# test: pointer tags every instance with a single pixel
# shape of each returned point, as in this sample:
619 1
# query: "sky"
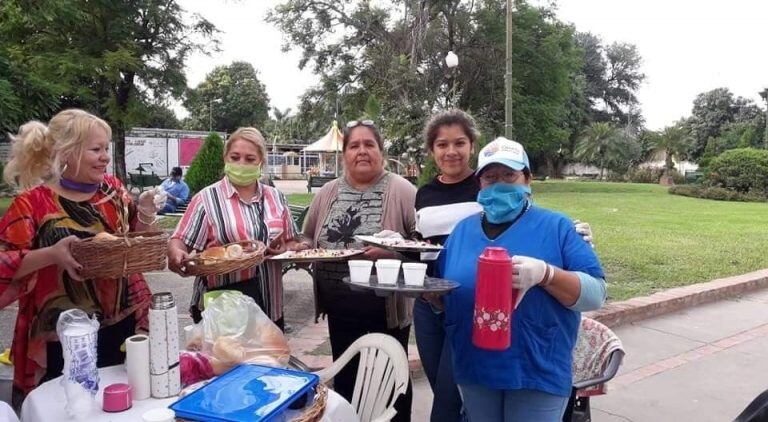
688 47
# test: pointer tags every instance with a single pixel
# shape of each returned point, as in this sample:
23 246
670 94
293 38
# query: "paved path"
702 364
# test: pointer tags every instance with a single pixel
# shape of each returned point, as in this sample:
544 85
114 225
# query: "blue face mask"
503 202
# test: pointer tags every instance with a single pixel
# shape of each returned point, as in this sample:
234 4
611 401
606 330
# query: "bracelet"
550 276
142 210
138 217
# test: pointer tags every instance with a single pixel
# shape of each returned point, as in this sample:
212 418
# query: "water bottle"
494 300
78 335
164 371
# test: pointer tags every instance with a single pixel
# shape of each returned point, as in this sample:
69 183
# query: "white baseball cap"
503 151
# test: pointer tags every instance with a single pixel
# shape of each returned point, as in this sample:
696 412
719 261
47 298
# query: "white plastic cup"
360 270
162 414
414 273
387 271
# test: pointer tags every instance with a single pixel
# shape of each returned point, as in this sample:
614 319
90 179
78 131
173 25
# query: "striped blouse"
217 215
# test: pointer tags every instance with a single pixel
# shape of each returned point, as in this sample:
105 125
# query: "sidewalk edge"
667 301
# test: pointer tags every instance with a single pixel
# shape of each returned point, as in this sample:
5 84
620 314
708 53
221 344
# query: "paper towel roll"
164 371
137 365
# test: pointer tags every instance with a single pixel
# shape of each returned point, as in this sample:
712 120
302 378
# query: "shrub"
208 165
743 170
716 193
652 175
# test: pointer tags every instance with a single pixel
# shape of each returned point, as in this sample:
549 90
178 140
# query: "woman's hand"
585 231
296 245
277 245
61 252
372 252
526 273
435 300
177 254
151 201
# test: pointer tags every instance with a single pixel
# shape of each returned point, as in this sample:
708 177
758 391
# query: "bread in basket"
219 260
112 256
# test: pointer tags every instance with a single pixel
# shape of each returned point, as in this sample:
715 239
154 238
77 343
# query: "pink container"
117 398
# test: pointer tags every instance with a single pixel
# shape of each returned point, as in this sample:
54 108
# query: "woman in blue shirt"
558 276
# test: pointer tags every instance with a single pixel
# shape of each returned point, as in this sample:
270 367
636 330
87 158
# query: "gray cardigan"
398 215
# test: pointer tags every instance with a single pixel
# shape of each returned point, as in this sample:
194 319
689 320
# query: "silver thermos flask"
164 371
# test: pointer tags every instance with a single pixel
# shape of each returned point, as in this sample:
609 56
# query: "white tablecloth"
46 403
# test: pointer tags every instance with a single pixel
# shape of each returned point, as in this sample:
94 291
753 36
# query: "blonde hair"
252 135
39 152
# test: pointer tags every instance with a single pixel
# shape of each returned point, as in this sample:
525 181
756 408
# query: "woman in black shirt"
450 137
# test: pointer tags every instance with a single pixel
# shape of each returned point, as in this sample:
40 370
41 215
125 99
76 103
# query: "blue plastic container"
246 393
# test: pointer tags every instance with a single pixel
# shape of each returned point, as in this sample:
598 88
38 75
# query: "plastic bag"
78 335
236 330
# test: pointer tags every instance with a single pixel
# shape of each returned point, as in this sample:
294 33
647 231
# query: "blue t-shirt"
543 330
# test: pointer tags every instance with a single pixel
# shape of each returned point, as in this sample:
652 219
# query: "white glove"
585 231
388 234
152 200
526 273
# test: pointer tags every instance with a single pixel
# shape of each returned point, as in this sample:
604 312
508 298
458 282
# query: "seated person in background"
177 190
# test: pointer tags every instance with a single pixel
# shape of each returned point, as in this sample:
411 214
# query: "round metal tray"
435 285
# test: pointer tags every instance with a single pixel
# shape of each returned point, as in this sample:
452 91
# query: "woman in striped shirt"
237 208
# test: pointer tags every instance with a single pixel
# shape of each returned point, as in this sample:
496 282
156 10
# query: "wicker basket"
254 255
132 253
314 413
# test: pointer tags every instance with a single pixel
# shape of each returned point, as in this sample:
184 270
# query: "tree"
158 116
208 165
24 95
599 144
764 96
674 141
612 77
230 97
717 112
395 52
109 57
281 125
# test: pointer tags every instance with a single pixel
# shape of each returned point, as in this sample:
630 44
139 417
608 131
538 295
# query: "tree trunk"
122 98
668 164
119 164
601 168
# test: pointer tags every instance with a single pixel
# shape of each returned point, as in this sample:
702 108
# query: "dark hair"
176 171
372 127
449 117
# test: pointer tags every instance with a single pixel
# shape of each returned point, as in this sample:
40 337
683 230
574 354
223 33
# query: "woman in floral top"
68 197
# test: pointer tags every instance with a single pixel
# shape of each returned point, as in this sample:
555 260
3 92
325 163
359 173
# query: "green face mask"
242 175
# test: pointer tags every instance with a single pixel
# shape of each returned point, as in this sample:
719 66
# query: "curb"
678 298
612 315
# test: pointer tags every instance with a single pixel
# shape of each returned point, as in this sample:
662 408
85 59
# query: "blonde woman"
238 207
67 197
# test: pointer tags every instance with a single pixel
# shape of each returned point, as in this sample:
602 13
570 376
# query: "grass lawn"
302 199
649 240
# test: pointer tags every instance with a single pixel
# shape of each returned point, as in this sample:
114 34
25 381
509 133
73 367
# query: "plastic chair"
597 357
382 375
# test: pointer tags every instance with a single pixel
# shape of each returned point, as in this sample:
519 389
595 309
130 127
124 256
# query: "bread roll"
104 236
228 350
273 338
234 251
214 252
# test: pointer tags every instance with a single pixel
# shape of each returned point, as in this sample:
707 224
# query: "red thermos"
494 300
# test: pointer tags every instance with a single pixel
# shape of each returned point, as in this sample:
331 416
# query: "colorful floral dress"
38 218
